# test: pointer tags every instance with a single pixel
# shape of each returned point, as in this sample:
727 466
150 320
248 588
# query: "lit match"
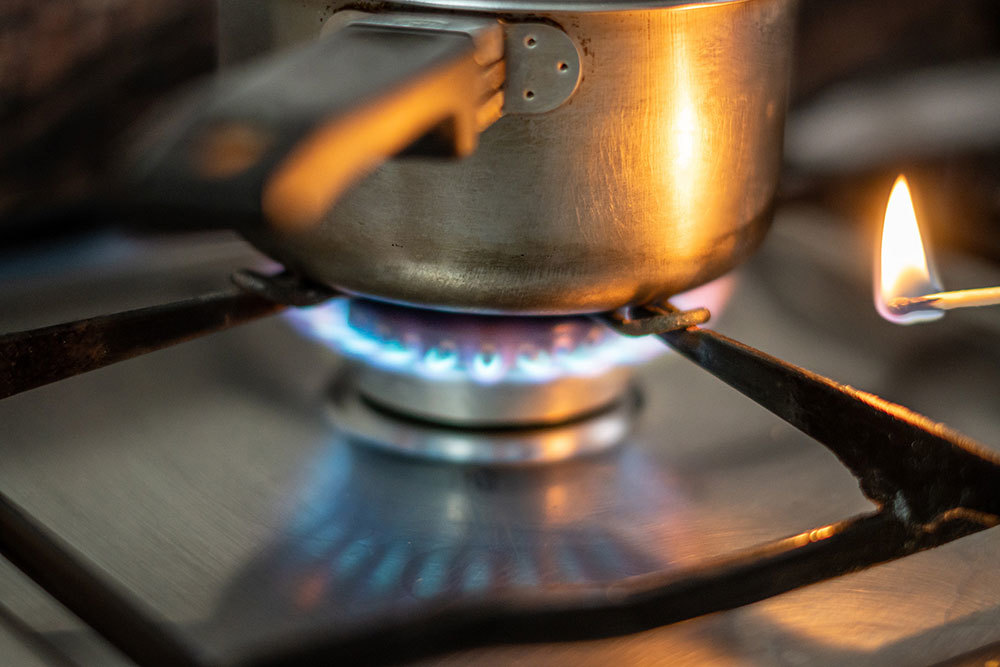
902 269
906 286
969 298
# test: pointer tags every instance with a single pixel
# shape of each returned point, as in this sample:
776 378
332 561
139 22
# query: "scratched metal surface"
207 481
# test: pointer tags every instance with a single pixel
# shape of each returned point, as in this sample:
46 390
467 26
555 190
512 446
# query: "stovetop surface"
208 482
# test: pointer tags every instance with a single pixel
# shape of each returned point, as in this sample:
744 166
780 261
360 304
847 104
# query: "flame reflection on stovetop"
373 530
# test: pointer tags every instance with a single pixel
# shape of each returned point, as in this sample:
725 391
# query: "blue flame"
482 348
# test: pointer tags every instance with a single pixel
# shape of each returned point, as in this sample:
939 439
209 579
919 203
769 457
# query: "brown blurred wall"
74 73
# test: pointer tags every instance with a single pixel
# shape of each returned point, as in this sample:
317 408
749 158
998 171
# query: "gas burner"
479 388
479 371
482 388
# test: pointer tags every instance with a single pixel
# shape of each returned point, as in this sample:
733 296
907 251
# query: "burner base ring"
361 420
468 405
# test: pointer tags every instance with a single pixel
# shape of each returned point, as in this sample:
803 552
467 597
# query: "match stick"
969 298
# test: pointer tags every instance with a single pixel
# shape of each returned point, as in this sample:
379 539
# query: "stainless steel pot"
650 168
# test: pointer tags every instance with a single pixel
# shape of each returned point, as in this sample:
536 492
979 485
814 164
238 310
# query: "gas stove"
469 412
220 489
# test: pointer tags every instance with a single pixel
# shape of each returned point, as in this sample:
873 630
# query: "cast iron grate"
930 484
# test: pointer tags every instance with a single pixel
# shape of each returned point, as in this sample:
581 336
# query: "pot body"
657 175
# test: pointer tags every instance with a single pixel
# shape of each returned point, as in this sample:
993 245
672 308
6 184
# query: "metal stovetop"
207 481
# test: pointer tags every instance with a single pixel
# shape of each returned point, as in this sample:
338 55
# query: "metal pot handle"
277 140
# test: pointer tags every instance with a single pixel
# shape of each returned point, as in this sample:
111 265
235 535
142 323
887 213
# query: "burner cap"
360 419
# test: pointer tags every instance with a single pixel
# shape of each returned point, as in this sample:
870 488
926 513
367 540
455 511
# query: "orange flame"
901 266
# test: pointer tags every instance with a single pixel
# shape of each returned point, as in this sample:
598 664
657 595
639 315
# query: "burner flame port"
482 349
478 370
